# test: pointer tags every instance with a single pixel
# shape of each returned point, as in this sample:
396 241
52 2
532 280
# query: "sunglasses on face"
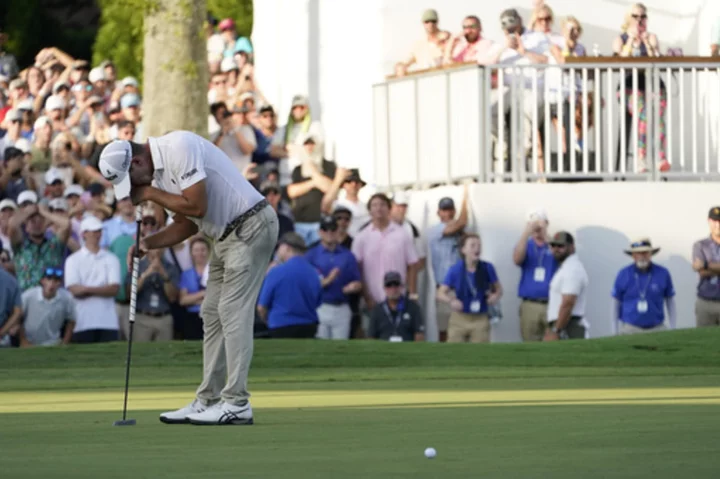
53 273
329 228
470 27
15 121
430 21
639 16
342 218
544 19
557 246
149 222
393 284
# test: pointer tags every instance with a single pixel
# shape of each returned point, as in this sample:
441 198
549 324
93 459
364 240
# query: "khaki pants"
533 320
707 313
626 329
237 269
472 327
123 311
152 328
442 311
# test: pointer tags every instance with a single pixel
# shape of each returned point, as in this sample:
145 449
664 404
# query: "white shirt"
360 215
182 159
229 145
570 279
534 42
420 244
87 269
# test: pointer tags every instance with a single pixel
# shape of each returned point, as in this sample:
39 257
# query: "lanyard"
394 319
470 278
540 252
647 283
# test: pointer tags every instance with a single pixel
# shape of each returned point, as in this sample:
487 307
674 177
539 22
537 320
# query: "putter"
131 318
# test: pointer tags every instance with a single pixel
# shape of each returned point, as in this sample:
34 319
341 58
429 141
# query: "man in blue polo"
641 292
291 293
537 264
340 276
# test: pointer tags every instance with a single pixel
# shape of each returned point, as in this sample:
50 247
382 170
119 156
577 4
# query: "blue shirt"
633 286
115 227
539 264
10 296
291 293
443 251
465 284
325 261
190 282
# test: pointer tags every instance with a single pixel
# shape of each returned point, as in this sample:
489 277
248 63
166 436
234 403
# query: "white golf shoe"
223 413
181 415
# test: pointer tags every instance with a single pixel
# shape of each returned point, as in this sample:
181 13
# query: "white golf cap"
538 214
96 74
73 190
114 165
52 175
400 198
41 122
228 64
54 102
25 105
23 144
91 223
58 204
129 81
27 196
8 203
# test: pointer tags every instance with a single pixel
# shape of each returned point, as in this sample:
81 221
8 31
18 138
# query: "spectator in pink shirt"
468 45
384 246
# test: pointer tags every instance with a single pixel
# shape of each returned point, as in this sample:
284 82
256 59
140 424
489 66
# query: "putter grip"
136 266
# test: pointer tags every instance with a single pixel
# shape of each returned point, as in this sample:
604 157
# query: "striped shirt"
443 251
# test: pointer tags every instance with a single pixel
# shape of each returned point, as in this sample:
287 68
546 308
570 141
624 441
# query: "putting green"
93 400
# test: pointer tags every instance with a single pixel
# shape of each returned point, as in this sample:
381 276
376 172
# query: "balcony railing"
593 119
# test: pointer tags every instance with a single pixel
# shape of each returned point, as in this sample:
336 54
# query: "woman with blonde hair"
635 40
541 21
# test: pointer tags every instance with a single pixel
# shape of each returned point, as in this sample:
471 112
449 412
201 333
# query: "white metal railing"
550 122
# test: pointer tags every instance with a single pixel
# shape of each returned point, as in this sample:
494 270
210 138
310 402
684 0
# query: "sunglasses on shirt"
53 273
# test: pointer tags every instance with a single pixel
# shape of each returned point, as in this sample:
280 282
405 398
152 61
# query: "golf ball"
430 452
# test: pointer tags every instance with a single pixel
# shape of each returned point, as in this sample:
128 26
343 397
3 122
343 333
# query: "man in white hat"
198 184
641 291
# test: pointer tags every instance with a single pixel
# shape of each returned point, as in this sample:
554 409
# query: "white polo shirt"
87 269
360 215
182 158
572 279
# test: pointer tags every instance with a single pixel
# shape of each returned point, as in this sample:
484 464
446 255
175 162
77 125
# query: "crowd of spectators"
344 268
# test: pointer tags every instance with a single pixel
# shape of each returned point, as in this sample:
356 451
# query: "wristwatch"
413 296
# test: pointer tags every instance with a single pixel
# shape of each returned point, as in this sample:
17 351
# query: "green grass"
507 438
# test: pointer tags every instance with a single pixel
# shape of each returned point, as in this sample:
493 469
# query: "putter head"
125 422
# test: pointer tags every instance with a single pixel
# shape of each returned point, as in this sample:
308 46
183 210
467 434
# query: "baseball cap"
8 203
96 189
13 115
328 223
129 100
41 122
17 83
58 204
227 24
90 223
96 74
12 152
293 240
269 186
562 238
54 102
59 85
714 213
23 144
129 81
114 165
75 189
27 196
299 100
243 45
25 105
265 109
400 198
430 15
228 64
52 175
392 277
446 204
342 209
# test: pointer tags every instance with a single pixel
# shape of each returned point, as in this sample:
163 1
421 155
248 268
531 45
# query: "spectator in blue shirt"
10 307
192 288
537 267
641 291
470 287
291 292
442 242
340 277
123 223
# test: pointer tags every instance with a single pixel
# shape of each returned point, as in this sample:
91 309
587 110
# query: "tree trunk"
175 68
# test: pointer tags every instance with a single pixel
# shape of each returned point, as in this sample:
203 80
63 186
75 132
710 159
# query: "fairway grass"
642 407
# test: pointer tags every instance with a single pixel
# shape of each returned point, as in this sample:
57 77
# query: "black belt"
541 301
154 314
335 303
237 222
572 318
713 300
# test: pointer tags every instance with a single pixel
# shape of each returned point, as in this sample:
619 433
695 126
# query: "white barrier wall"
603 217
335 50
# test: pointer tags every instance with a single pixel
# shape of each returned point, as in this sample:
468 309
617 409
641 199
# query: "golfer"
203 191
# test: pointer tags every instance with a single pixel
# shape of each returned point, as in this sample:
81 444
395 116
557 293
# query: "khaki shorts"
442 311
707 313
473 328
